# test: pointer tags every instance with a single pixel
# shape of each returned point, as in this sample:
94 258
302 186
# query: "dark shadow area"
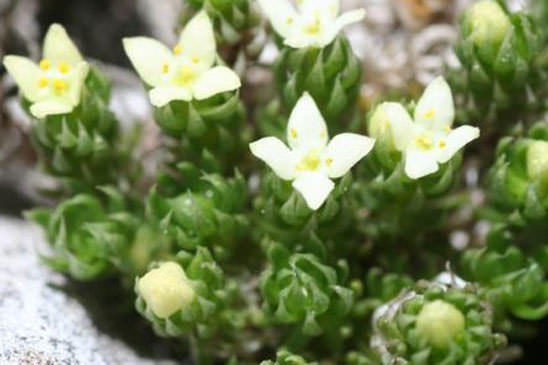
97 26
111 309
12 202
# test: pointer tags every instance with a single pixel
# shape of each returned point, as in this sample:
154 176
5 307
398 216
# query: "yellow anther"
45 64
59 85
314 27
310 162
165 68
430 114
329 161
195 59
293 133
187 74
447 129
177 49
43 82
63 67
442 144
423 142
289 20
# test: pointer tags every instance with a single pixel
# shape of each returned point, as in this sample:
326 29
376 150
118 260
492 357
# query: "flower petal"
400 124
420 163
344 151
58 47
436 108
276 155
306 128
42 109
77 82
148 57
25 74
457 139
281 14
329 9
342 21
162 95
197 41
214 81
314 187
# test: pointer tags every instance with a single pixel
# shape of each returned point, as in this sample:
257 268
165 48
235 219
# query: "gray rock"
43 320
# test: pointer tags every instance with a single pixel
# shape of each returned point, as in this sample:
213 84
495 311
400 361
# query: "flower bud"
439 322
537 159
487 23
166 289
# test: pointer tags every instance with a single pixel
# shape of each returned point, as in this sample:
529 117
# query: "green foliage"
284 357
501 56
331 75
401 336
299 288
90 236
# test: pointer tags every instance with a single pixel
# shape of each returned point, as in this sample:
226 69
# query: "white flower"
315 24
186 72
55 84
310 161
428 141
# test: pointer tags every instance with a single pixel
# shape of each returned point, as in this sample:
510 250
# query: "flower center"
310 162
424 142
315 26
187 74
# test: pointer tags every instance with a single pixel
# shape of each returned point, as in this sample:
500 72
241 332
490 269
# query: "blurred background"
45 319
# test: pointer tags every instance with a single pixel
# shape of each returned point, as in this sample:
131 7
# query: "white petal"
329 9
306 128
345 150
43 109
457 139
420 163
25 74
148 57
342 21
276 155
400 124
162 95
214 81
58 47
314 187
435 108
76 83
281 14
301 40
197 41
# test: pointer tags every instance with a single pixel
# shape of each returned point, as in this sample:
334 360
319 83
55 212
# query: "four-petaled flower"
310 161
428 141
186 72
315 24
54 85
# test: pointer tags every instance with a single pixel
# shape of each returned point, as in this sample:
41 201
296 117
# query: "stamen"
195 59
329 161
45 64
293 133
430 114
423 142
310 162
289 20
442 144
165 68
59 85
177 49
43 82
63 67
187 74
314 27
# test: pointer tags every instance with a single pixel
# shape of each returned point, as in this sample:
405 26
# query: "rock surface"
43 319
